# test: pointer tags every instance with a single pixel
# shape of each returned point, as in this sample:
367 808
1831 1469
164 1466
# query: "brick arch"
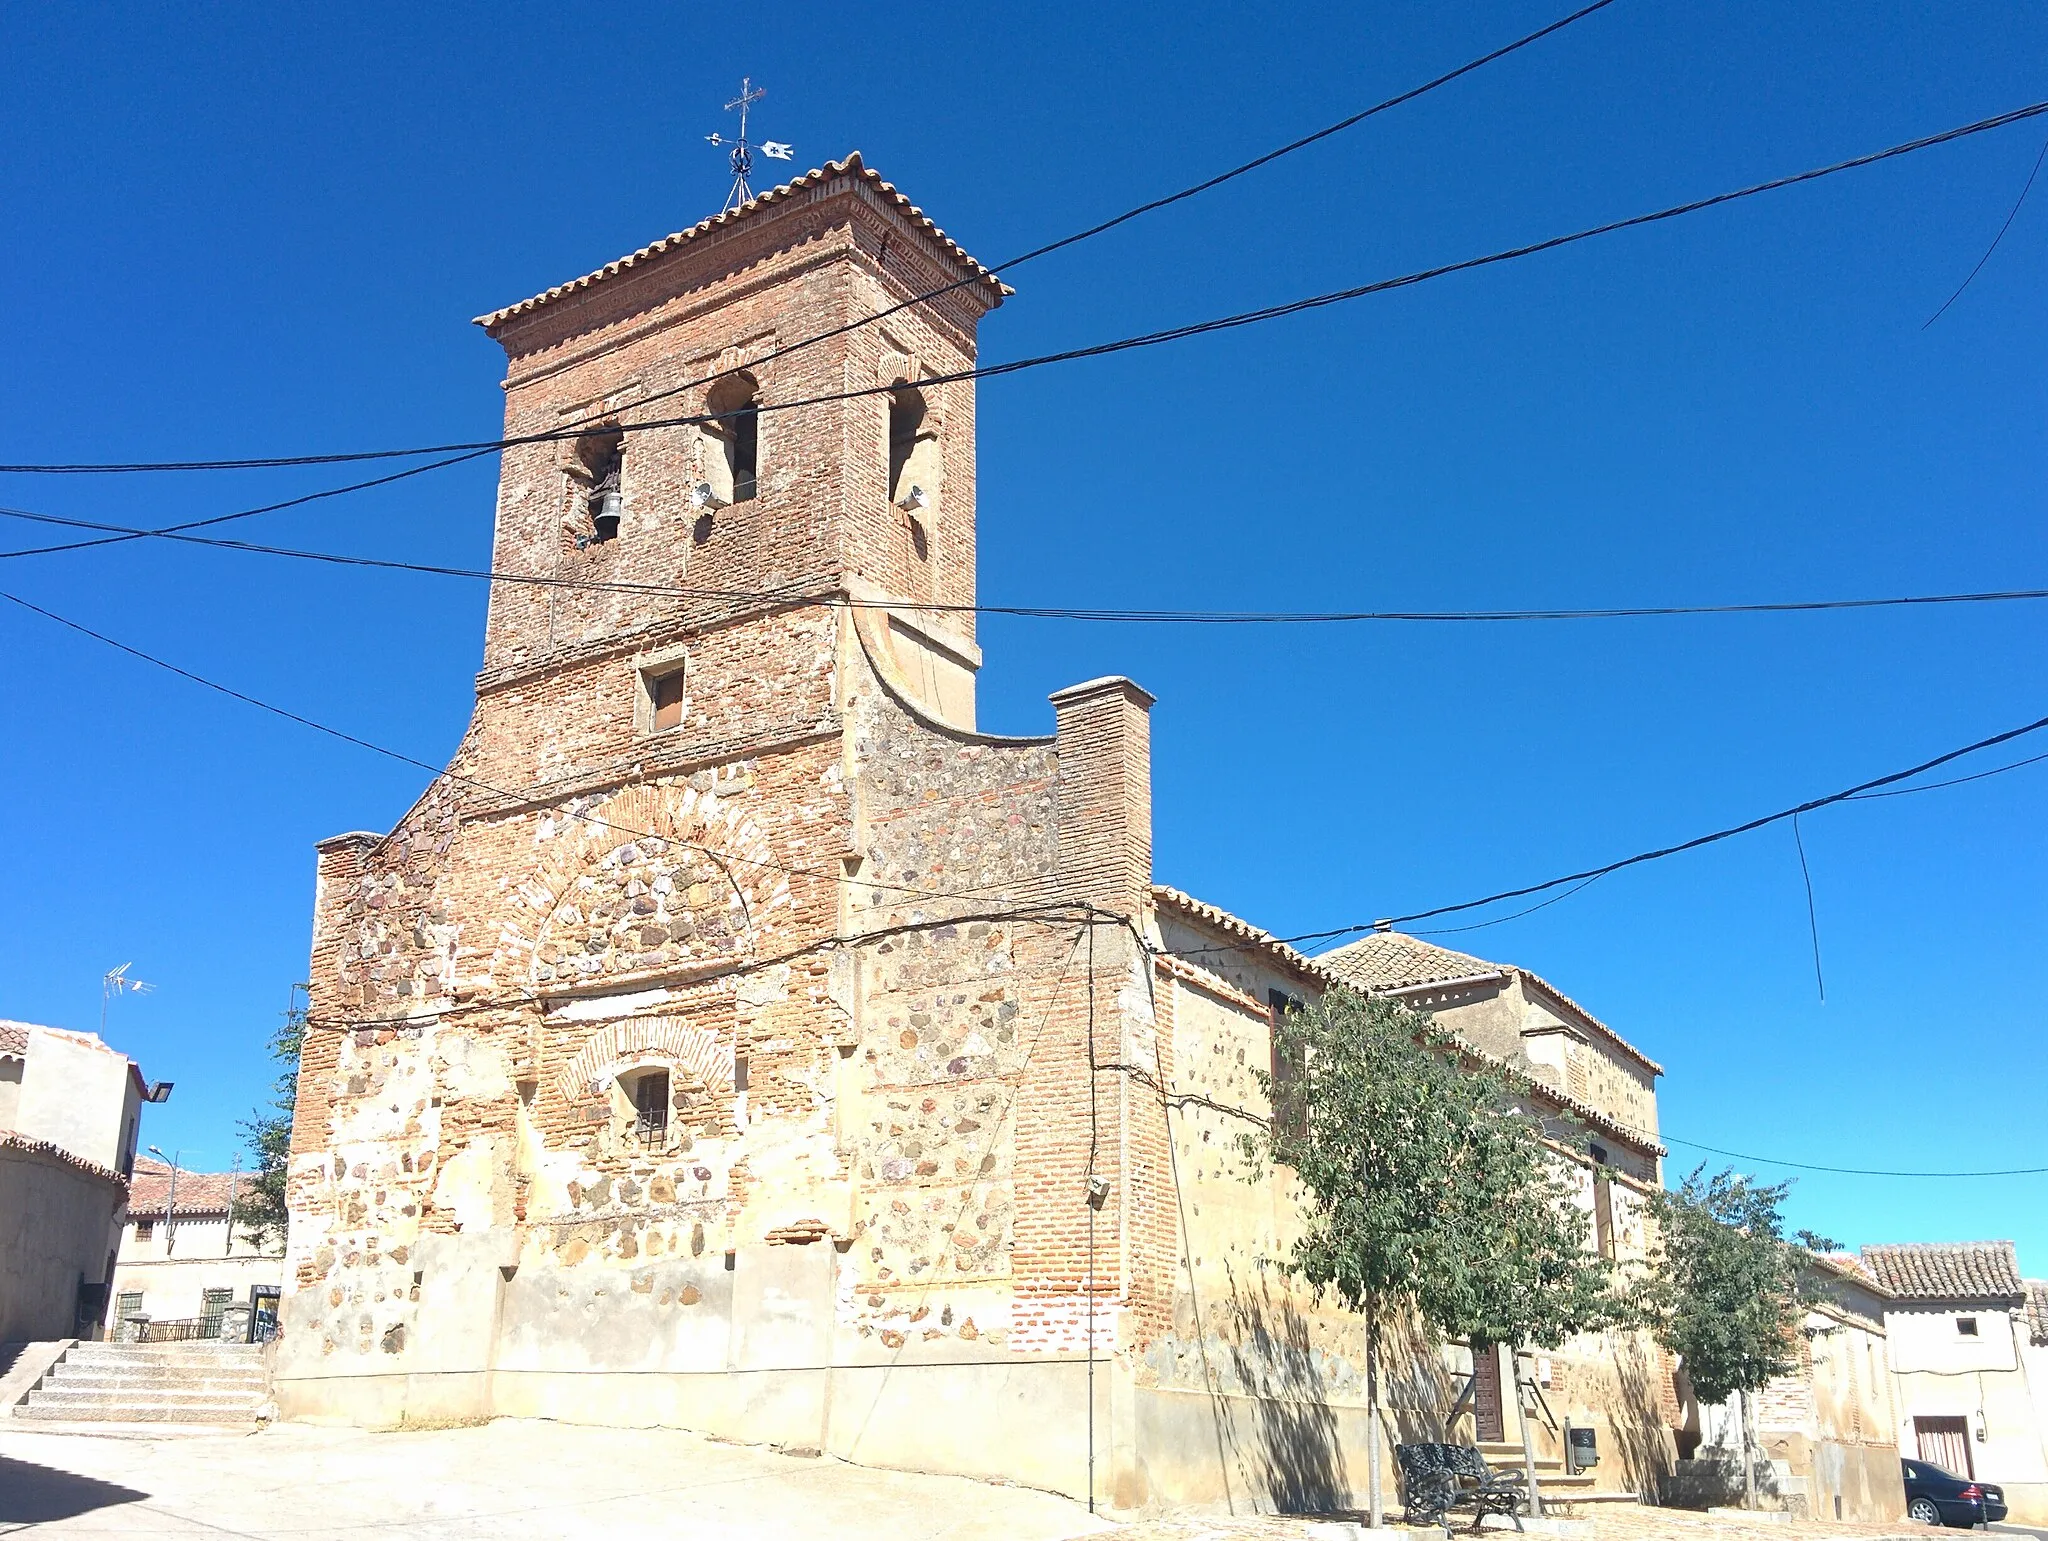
637 1040
663 823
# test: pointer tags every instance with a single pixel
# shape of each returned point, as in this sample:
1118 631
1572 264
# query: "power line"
1121 345
1733 830
1848 1171
1851 794
1151 206
2026 188
718 857
1042 612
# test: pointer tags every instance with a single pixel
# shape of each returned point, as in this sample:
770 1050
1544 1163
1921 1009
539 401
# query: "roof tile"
199 1193
1966 1270
851 166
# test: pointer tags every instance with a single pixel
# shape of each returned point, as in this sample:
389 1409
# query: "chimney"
1104 800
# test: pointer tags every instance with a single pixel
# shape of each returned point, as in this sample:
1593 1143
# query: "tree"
264 1212
1426 1190
1727 1292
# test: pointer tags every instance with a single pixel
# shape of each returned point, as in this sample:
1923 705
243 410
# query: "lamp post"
171 1198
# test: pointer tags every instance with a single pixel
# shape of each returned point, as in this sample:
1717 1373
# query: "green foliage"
269 1133
1726 1290
1426 1185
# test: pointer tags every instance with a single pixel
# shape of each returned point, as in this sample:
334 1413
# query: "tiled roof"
1394 960
1229 924
1273 948
59 1153
14 1038
2037 1312
993 287
1966 1270
199 1193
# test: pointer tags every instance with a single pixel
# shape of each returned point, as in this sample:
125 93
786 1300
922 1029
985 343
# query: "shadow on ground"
36 1495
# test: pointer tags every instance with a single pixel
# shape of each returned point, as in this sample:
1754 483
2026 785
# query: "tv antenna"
742 149
115 982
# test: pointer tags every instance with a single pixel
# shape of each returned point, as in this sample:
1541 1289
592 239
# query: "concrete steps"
152 1383
1555 1483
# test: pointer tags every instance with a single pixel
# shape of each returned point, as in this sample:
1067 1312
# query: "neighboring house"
197 1260
1829 1429
1962 1325
738 1038
70 1108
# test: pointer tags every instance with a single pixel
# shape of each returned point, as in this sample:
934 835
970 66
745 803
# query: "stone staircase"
1557 1485
218 1383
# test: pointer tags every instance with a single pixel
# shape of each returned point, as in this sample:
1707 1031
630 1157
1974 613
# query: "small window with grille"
650 1106
145 1230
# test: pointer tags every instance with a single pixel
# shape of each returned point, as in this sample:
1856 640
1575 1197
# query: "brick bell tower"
837 466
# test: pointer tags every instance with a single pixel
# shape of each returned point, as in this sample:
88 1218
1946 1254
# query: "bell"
606 519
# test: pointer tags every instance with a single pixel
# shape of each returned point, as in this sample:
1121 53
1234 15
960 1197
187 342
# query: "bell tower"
762 409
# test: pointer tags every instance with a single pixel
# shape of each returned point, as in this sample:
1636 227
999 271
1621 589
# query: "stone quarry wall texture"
902 978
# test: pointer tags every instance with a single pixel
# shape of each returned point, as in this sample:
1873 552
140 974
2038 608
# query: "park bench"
1435 1479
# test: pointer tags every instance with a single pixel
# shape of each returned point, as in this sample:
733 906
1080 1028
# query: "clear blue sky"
235 229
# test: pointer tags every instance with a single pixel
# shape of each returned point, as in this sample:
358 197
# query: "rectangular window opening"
145 1229
1290 1111
1966 1326
665 696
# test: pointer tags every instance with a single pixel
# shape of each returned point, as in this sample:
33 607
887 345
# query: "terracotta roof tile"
1966 1270
1317 969
13 1038
2037 1312
59 1153
199 1193
1394 960
994 287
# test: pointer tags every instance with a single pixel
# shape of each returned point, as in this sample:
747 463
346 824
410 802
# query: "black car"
1933 1497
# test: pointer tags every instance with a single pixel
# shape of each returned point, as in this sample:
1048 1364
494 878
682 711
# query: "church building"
735 1037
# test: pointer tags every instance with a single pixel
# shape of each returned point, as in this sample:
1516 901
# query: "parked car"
1935 1497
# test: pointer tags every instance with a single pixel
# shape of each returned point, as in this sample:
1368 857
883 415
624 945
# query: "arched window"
732 468
913 451
597 472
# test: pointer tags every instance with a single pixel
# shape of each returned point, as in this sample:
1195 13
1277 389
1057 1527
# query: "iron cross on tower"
743 149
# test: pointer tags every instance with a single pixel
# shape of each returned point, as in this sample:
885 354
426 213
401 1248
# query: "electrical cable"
1126 344
438 772
2015 214
799 600
1401 99
1855 793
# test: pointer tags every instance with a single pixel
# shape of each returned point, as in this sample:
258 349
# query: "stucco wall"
56 1228
1939 1372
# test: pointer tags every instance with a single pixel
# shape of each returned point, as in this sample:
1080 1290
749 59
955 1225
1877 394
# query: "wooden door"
1945 1442
1486 1406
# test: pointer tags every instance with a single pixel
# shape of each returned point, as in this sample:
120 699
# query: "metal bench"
1435 1479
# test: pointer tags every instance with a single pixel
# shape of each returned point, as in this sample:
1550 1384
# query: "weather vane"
743 149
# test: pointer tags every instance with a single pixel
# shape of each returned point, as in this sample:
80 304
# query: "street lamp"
171 1198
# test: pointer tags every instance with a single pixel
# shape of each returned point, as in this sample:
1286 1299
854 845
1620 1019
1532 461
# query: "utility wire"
1847 1171
1121 345
718 857
796 599
1851 794
1098 350
251 463
2015 214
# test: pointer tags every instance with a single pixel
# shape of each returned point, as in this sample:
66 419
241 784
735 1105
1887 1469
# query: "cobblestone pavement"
507 1481
1607 1522
518 1479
